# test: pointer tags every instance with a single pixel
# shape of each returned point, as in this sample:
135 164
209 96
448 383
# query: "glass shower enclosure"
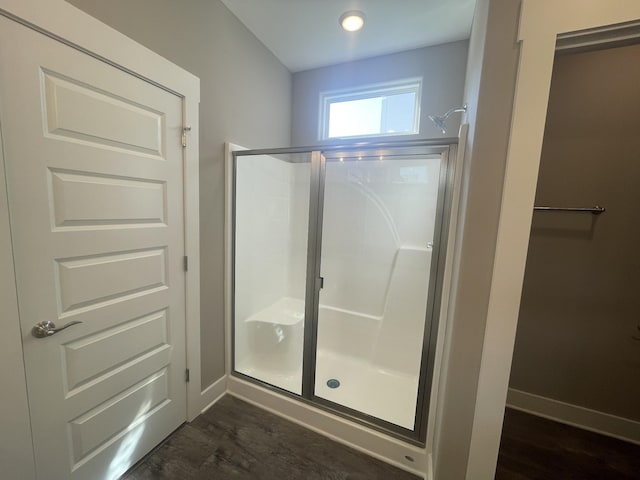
336 270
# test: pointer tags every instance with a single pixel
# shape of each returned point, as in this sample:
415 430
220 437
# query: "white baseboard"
429 474
574 415
213 393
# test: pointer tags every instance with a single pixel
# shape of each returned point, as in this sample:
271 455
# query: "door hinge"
186 263
186 375
184 135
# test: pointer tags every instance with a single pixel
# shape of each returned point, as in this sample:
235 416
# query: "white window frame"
406 85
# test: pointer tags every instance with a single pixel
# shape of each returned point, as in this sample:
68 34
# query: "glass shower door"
271 219
381 216
335 268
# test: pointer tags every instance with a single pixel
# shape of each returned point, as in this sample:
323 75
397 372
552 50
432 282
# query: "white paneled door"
94 165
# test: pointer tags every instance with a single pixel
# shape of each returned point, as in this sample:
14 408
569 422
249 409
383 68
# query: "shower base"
387 395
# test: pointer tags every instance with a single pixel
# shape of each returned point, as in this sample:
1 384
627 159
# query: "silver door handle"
46 329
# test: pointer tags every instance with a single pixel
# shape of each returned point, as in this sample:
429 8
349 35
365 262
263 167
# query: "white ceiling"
305 34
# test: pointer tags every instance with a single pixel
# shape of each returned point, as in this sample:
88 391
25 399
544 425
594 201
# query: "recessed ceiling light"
352 21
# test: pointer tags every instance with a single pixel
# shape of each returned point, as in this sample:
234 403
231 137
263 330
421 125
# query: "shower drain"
333 383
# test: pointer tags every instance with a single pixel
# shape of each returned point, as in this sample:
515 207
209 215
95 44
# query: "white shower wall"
371 210
298 228
263 193
270 242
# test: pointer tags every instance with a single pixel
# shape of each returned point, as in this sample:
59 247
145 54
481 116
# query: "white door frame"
70 25
541 22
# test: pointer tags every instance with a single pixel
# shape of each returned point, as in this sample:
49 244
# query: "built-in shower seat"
276 335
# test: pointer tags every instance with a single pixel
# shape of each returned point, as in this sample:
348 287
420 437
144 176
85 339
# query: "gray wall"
442 68
489 92
245 99
580 298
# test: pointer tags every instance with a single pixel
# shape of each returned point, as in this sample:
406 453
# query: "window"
373 110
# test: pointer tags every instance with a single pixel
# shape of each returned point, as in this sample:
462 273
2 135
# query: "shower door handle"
321 282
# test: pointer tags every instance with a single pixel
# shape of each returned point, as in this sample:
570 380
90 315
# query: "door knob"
46 329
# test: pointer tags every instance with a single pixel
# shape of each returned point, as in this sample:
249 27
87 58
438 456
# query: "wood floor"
235 440
534 448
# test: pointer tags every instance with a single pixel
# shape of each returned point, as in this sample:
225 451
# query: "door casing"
65 23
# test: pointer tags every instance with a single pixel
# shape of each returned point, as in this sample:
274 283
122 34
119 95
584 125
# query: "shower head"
441 120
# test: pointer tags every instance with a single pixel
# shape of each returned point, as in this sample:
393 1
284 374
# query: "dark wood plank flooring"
534 448
236 440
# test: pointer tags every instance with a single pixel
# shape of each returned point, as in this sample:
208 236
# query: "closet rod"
597 210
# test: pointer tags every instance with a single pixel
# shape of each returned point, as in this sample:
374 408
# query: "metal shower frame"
447 149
